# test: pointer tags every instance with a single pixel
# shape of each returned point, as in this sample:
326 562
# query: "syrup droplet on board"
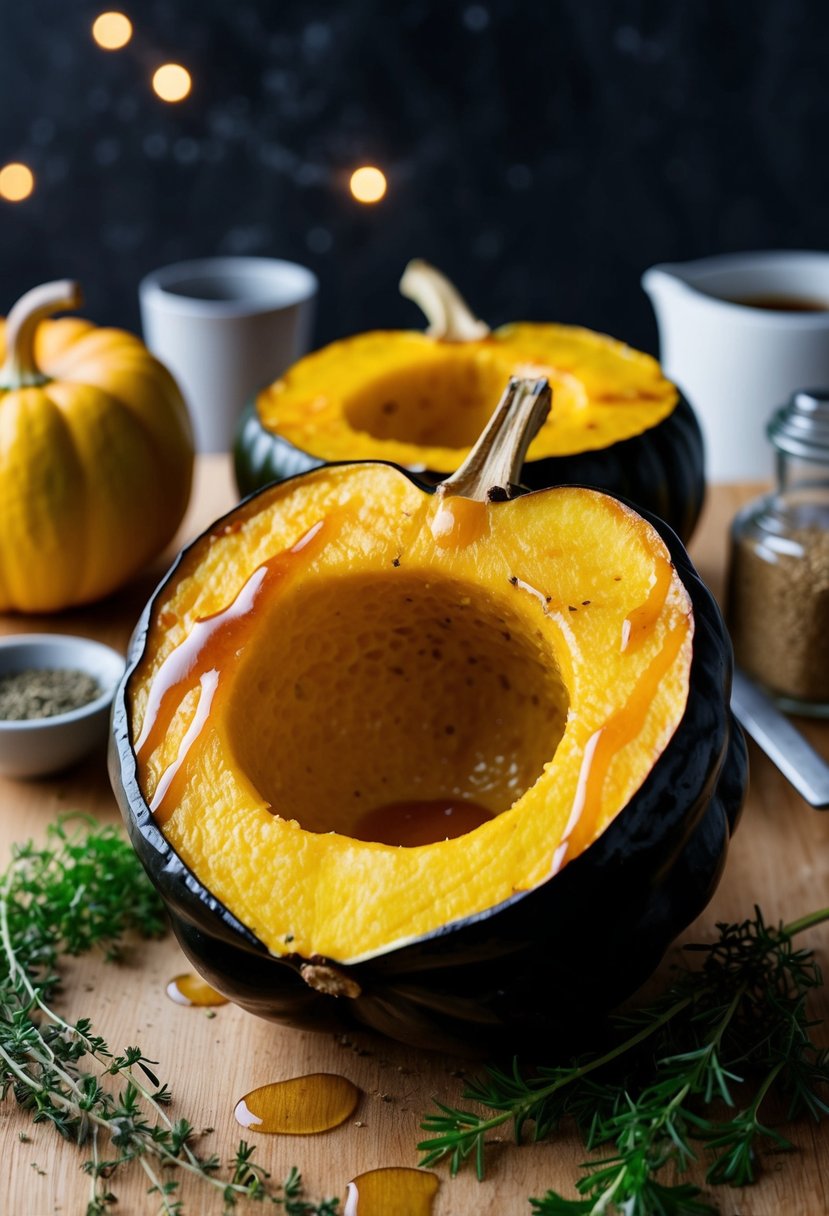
458 522
298 1106
190 989
410 824
214 642
398 1190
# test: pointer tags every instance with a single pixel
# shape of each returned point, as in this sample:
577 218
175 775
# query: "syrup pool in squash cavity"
348 646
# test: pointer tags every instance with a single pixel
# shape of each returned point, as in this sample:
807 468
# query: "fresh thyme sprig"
735 1026
83 890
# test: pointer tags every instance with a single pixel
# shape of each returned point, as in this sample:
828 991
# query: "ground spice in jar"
44 692
778 611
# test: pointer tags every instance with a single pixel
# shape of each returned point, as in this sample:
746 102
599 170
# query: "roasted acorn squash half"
446 763
421 400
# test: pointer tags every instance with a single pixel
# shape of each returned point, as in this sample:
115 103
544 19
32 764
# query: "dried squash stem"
493 467
450 317
20 369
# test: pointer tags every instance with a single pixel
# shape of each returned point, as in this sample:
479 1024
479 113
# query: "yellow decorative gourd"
96 455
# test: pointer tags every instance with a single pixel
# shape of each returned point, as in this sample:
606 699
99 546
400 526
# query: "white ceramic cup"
737 363
225 327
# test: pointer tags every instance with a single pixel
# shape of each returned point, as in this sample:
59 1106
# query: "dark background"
542 153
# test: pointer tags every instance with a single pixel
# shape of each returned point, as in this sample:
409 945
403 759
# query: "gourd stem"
20 369
450 317
493 467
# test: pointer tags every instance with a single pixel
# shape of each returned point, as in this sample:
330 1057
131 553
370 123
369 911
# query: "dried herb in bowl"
45 692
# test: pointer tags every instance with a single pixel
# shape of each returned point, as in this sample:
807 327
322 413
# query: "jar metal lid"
801 426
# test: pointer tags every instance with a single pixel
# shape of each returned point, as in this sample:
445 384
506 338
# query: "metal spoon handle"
797 760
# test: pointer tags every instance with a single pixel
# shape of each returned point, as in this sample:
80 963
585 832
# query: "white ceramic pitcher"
736 362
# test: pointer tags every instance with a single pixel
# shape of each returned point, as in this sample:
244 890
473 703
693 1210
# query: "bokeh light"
112 31
16 182
172 82
368 184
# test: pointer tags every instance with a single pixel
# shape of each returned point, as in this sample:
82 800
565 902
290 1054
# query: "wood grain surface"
779 859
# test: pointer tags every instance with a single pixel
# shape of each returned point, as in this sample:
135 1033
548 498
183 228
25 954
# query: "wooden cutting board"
779 859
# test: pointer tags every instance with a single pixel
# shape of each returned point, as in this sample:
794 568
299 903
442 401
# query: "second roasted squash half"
414 759
421 400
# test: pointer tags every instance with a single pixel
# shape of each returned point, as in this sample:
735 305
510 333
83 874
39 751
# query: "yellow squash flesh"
533 659
421 401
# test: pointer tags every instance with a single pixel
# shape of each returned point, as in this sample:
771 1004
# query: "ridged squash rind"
549 961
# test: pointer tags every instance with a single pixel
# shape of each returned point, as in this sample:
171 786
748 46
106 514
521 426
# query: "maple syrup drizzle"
410 824
197 662
396 1189
623 726
605 743
298 1106
167 788
638 623
190 989
458 522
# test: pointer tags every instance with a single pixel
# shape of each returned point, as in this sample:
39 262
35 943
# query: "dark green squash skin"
661 470
552 960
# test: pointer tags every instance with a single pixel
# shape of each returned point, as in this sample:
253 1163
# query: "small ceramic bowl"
34 747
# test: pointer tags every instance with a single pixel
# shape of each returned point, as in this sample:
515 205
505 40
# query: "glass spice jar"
778 587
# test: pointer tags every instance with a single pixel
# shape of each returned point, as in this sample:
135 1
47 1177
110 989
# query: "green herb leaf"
84 890
735 1024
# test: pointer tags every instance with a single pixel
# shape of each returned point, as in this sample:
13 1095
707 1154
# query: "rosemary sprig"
83 890
735 1026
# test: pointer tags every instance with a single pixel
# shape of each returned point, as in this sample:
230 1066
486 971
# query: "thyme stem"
737 1020
82 891
805 922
